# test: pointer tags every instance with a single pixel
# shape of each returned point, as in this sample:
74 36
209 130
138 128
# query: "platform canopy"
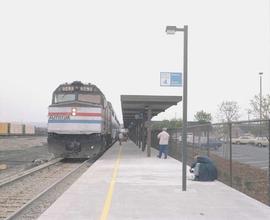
135 107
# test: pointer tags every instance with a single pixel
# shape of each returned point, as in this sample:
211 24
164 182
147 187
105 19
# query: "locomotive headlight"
73 111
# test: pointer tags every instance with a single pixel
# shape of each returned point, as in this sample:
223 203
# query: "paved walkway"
125 184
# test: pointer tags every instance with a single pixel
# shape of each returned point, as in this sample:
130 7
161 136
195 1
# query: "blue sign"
171 79
176 79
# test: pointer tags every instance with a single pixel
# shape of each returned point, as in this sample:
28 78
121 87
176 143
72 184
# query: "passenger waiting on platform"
163 143
204 169
120 138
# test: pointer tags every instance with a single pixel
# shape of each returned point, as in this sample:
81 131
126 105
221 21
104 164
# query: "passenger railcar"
81 123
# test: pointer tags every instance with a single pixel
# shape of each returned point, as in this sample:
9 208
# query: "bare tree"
228 111
255 106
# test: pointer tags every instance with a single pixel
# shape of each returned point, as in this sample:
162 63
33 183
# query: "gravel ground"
18 153
16 194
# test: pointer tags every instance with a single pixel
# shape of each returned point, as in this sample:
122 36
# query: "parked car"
214 143
244 140
201 141
261 141
224 140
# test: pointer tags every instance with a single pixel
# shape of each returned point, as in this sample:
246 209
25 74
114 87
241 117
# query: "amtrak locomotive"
82 123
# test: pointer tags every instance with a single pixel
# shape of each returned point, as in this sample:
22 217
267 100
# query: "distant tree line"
228 111
170 124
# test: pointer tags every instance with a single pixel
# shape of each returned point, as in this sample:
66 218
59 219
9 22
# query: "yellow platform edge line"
107 204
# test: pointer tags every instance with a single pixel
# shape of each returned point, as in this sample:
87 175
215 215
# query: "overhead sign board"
171 79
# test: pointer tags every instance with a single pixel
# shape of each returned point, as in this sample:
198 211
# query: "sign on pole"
171 79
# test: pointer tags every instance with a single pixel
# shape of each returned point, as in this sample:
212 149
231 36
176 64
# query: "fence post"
208 151
269 162
230 137
193 143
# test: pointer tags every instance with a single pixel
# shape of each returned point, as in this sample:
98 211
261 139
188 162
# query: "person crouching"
204 169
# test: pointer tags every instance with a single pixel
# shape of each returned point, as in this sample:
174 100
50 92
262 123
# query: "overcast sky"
121 46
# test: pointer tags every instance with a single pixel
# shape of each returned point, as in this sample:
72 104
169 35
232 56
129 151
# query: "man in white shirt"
163 143
120 138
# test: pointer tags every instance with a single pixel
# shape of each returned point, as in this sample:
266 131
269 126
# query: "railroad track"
17 194
16 177
27 195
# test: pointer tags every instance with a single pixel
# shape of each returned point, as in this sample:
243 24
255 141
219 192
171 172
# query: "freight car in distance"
16 129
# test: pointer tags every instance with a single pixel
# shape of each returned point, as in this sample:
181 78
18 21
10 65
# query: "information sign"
171 79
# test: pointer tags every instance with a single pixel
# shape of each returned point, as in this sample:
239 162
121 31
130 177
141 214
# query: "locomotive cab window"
64 97
89 98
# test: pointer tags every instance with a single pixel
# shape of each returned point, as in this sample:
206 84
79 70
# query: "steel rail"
24 207
20 210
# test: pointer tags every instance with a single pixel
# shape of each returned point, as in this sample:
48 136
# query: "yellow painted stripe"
107 204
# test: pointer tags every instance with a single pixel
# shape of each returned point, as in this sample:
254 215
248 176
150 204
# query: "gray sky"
121 46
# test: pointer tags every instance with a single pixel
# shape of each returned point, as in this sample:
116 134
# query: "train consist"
16 129
81 123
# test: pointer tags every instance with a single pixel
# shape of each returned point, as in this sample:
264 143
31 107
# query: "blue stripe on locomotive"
76 121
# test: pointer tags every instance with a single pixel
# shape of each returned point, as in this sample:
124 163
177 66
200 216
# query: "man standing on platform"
163 143
120 138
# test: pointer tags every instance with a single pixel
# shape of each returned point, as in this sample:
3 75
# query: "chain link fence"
240 151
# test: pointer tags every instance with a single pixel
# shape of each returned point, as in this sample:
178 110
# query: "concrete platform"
125 184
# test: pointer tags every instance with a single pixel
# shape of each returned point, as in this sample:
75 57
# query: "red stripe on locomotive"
77 113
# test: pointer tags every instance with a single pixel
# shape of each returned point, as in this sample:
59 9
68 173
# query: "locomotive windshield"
64 97
89 98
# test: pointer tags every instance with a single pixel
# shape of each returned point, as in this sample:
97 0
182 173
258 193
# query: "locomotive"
81 122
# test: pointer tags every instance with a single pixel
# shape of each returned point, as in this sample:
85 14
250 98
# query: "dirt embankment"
20 153
21 143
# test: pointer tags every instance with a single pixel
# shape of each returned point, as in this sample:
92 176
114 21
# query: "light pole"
261 73
173 30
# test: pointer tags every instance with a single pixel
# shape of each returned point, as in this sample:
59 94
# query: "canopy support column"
149 130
